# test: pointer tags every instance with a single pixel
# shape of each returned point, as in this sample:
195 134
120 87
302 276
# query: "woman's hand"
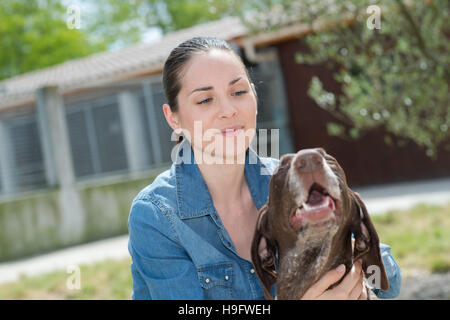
351 287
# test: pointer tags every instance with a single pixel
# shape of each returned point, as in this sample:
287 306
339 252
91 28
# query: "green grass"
103 281
419 238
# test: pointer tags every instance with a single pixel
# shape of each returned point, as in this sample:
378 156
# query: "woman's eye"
205 101
239 93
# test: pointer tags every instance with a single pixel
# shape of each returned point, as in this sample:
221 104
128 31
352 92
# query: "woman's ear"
171 118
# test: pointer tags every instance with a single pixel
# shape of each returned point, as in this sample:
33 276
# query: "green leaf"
335 129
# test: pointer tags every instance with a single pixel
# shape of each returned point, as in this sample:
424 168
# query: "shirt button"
252 270
226 278
207 280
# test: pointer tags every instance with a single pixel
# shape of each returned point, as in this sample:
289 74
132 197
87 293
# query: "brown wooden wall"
368 160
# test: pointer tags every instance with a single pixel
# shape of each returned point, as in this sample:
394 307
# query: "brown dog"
308 221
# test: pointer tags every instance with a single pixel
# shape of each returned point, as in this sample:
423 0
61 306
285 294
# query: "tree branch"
418 35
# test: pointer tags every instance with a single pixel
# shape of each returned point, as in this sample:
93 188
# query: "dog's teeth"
309 207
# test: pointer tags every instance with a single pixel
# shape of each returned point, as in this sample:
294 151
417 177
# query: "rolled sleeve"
161 268
393 273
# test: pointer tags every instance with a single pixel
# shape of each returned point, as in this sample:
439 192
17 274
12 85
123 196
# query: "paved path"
378 199
426 287
113 248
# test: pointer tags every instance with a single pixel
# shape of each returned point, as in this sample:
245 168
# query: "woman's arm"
393 273
160 268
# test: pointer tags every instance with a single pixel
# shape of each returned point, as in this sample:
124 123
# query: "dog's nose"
308 161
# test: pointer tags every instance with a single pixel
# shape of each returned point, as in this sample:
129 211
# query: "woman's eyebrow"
201 89
210 88
235 80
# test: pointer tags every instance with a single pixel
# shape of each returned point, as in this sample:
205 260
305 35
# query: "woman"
191 229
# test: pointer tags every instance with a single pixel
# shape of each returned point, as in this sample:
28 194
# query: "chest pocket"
216 280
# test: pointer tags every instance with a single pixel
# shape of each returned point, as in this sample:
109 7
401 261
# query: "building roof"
143 58
148 58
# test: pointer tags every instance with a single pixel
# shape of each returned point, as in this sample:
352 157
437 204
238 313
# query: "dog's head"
309 197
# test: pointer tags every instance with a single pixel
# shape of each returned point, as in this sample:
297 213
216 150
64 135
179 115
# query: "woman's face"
215 95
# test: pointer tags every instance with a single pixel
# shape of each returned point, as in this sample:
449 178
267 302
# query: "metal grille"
110 143
96 137
151 99
1 178
272 108
146 127
263 85
164 129
23 155
79 142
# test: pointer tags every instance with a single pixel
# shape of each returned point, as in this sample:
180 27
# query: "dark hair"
178 58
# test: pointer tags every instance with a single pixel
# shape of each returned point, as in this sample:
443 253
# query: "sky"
89 7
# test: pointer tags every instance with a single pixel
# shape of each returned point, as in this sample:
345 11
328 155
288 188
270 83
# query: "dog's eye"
286 159
321 151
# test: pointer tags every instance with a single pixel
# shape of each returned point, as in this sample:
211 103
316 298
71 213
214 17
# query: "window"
110 143
23 155
272 107
156 123
96 137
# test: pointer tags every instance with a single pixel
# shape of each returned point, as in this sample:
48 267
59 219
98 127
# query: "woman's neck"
225 182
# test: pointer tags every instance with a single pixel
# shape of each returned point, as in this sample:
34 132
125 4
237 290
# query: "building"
78 140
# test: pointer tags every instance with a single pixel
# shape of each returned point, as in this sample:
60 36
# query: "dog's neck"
309 260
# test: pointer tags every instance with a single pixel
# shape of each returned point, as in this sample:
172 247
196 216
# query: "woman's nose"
227 109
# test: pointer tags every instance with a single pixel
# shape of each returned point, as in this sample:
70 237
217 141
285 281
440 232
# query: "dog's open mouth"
319 210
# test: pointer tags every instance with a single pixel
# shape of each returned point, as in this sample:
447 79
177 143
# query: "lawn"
107 280
420 240
420 237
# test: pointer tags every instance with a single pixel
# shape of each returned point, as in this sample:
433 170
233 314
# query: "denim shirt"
180 248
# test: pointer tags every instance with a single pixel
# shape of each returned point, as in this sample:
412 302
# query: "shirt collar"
193 197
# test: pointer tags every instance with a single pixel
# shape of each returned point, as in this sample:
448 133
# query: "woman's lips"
232 131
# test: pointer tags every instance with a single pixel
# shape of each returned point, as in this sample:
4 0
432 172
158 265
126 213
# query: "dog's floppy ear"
367 243
263 252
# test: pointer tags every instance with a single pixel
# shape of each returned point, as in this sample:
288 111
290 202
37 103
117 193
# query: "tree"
125 21
396 76
34 34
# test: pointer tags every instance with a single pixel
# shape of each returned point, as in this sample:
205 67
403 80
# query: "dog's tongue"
315 197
